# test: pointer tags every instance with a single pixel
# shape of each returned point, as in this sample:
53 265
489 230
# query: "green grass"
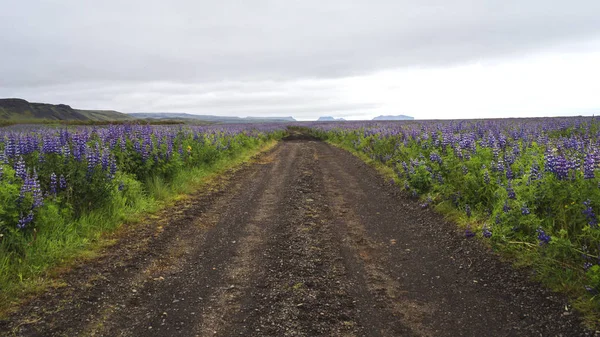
56 245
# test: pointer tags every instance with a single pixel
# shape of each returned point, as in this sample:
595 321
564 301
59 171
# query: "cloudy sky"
306 58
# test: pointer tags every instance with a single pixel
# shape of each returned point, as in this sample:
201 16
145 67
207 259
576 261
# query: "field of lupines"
53 179
529 186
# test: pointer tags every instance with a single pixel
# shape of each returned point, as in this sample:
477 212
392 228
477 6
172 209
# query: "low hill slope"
16 109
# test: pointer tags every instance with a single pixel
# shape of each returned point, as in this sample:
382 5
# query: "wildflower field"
529 187
62 187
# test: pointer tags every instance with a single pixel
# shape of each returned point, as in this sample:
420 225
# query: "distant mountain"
16 109
329 119
393 118
209 118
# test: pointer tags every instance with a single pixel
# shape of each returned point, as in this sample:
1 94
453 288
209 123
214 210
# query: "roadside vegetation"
62 188
529 187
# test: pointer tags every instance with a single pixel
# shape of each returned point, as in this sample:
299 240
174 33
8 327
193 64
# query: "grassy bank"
536 217
60 238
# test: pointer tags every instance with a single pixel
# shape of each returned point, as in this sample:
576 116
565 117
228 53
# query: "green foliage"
96 199
508 190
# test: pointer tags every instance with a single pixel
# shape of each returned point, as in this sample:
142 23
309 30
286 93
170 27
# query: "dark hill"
16 109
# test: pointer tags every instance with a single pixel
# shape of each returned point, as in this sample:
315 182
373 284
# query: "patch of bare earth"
306 241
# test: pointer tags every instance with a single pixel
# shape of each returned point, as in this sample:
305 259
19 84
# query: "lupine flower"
525 210
510 191
434 157
542 237
589 214
469 233
486 176
589 166
509 173
500 166
53 184
24 221
426 203
468 210
113 167
561 168
38 198
20 170
486 232
62 182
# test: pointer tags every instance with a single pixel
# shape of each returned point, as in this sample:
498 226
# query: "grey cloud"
302 99
258 55
71 40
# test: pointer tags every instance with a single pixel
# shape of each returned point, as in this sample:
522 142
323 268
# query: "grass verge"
58 246
551 273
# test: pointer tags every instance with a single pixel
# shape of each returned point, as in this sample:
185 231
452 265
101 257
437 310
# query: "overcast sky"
306 58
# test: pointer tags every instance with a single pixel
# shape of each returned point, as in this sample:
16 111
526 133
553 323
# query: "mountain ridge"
15 109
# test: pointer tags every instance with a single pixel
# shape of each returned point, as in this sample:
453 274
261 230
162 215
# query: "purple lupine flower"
62 182
427 202
405 167
469 233
506 208
468 210
589 213
27 187
509 173
20 170
1 171
38 197
113 167
486 232
24 221
525 210
434 157
500 166
53 184
542 237
534 172
92 159
105 159
121 186
561 168
510 191
589 166
486 176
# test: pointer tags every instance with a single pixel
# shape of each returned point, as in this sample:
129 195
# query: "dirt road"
306 241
